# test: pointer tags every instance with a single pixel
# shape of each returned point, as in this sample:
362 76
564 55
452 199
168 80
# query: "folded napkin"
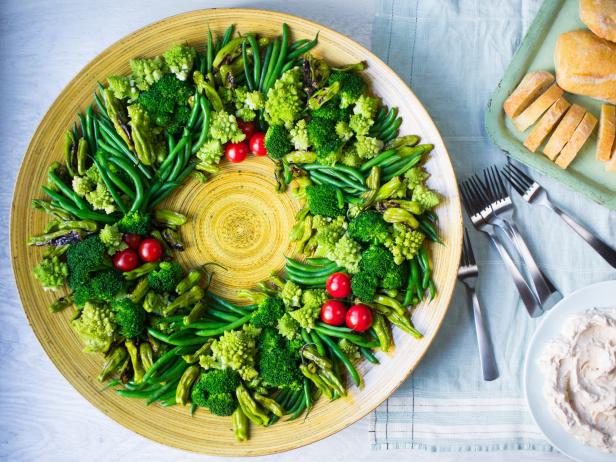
452 54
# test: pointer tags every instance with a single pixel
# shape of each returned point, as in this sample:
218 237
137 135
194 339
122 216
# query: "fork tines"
519 180
473 195
468 257
494 184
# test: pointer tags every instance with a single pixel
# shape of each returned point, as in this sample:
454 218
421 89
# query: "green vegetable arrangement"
364 229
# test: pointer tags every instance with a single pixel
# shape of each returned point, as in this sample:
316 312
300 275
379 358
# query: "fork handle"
486 351
526 294
607 252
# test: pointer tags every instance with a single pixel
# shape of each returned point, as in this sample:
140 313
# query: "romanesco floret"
209 155
346 253
288 327
123 87
306 316
314 297
343 130
180 59
360 125
51 272
224 128
291 294
427 198
111 236
328 232
349 348
366 106
367 146
415 176
91 187
147 71
405 243
237 349
247 103
285 103
350 157
299 135
96 327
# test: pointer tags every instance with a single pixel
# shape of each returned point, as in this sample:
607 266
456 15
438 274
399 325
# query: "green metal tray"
586 174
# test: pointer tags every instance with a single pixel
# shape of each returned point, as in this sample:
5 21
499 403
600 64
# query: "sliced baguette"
531 86
564 131
610 165
580 135
607 132
530 115
546 124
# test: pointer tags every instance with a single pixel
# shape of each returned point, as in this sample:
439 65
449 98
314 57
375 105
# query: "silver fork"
533 193
471 198
501 216
467 274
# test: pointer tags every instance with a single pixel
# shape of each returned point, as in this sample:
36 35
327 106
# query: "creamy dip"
580 378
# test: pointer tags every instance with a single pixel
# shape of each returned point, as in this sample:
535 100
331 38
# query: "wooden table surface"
43 44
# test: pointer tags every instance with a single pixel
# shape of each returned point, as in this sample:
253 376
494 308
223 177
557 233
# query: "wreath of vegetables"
164 337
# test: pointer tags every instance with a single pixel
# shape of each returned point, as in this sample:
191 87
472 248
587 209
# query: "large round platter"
240 201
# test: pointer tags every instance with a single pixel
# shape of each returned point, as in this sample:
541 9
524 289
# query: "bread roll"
531 86
530 115
600 17
607 132
586 65
564 131
580 135
546 124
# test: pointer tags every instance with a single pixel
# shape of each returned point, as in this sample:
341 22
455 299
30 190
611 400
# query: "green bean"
281 56
318 343
298 43
386 132
160 362
300 409
324 178
410 162
336 328
308 281
303 49
356 339
68 192
266 61
387 121
120 184
327 271
74 210
222 315
210 50
296 403
367 354
345 360
408 140
319 264
307 396
227 36
230 306
98 160
432 289
230 326
247 72
164 389
380 115
205 127
135 177
178 342
272 65
377 160
412 281
207 324
428 228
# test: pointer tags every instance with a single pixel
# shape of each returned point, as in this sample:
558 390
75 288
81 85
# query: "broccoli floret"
209 155
331 111
352 86
395 277
366 106
288 327
146 72
222 404
327 232
224 128
376 260
123 87
367 147
220 381
96 327
369 227
291 294
343 131
111 236
284 104
322 135
166 277
93 189
299 135
129 317
277 141
427 198
215 390
363 285
237 349
347 253
268 312
166 102
247 103
180 59
51 272
323 200
415 176
83 258
406 242
135 223
278 365
100 286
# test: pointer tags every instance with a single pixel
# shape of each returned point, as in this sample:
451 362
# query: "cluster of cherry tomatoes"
335 313
139 250
254 142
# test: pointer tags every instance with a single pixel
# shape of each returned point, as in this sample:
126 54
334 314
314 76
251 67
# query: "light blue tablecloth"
452 54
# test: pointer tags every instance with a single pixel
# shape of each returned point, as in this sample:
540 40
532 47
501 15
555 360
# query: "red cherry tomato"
338 285
359 318
133 240
248 128
333 313
257 144
126 260
150 250
236 152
